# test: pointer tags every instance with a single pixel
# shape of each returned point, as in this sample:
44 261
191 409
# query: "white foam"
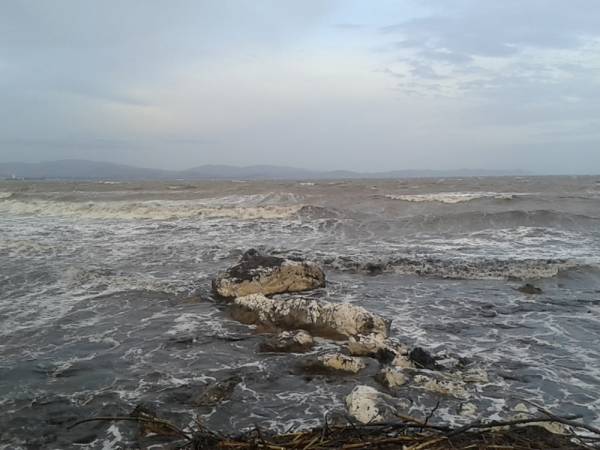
157 210
452 197
242 207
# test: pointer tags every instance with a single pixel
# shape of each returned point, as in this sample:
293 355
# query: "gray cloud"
455 83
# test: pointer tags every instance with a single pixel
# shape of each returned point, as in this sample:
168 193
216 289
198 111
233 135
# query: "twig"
432 412
478 424
564 420
133 419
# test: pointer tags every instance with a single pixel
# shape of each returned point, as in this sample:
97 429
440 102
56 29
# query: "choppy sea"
105 298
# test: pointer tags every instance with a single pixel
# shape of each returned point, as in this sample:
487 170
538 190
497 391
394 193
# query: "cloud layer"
320 84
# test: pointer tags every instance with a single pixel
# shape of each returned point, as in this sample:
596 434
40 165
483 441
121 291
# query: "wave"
473 220
152 209
102 280
461 268
452 197
5 195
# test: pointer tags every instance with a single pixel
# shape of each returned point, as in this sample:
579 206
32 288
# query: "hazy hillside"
93 170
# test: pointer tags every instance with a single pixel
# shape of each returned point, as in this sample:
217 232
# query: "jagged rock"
423 359
331 320
288 342
529 289
368 405
441 385
267 275
375 346
392 377
217 392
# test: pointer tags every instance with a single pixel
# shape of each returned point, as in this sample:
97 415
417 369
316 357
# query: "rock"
423 359
392 377
332 363
320 318
375 346
402 361
288 342
217 392
368 405
267 275
529 289
373 268
441 385
337 361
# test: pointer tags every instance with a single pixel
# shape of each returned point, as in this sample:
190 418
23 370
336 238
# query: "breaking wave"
452 197
476 220
462 268
153 209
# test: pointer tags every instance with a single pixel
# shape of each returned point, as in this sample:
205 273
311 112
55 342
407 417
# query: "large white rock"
331 320
368 405
267 275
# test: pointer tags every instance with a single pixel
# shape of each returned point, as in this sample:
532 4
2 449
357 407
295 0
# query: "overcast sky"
363 85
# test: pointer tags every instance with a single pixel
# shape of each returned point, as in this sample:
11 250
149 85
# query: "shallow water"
105 297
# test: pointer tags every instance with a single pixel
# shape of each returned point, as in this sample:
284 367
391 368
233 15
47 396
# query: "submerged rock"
150 424
529 289
217 392
330 320
288 342
441 385
267 275
475 375
368 405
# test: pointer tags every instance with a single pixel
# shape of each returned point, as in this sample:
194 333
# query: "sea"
106 301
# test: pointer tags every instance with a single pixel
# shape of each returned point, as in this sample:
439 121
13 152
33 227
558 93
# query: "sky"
320 84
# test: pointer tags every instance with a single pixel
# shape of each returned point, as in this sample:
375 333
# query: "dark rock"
423 359
374 268
529 289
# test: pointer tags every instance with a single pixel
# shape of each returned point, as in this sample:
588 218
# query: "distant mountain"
76 169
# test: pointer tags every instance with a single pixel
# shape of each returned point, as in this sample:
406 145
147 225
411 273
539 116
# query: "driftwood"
407 433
